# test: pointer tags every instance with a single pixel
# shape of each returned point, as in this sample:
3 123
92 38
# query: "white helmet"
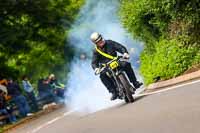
96 37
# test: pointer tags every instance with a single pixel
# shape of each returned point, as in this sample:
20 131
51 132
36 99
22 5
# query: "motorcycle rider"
110 48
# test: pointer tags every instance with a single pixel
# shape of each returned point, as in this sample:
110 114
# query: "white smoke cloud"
85 90
86 93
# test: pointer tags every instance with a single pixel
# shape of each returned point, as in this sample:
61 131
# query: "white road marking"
52 121
69 112
167 89
137 95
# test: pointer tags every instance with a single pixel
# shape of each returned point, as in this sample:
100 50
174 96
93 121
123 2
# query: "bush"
197 58
170 32
170 59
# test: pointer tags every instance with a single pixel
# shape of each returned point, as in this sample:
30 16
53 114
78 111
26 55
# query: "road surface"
173 111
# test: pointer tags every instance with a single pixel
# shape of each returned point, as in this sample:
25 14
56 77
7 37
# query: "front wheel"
126 99
126 85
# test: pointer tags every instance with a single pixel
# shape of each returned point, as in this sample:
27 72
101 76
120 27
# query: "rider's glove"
126 56
97 70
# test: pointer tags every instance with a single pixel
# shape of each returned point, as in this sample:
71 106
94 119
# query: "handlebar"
118 58
100 70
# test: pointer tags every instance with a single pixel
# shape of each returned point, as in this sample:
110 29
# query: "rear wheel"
126 86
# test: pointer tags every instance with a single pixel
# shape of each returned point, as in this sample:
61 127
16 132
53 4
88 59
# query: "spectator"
18 98
3 88
40 85
28 88
45 91
58 88
3 82
4 110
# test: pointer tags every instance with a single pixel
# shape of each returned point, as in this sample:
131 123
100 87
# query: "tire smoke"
85 90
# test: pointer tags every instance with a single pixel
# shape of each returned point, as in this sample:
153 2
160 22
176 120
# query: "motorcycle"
123 86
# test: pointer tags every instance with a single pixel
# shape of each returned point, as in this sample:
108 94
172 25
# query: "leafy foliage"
33 36
170 31
169 60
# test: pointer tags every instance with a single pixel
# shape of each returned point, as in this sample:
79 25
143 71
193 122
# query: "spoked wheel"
128 98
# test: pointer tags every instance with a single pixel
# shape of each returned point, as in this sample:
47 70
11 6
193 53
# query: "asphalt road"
172 111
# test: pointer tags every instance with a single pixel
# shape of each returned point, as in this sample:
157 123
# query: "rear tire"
126 85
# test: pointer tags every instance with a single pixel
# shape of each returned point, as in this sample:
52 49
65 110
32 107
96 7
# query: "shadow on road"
137 98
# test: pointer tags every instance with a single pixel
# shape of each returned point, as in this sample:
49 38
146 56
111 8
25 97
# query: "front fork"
119 85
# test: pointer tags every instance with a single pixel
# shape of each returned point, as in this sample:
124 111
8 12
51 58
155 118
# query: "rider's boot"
137 84
132 90
114 95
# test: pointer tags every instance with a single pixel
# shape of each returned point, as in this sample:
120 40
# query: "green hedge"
170 59
170 32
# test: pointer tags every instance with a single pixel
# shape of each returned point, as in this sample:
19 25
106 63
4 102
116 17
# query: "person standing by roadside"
28 88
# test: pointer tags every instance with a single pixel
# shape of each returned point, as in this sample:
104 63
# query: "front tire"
126 85
126 99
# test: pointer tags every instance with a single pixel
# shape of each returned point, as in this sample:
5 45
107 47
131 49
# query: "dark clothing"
32 98
11 117
4 111
46 92
126 66
40 85
2 102
18 98
58 89
13 89
22 105
108 82
54 84
28 88
110 48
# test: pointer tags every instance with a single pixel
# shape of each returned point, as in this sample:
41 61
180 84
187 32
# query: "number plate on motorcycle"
114 65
